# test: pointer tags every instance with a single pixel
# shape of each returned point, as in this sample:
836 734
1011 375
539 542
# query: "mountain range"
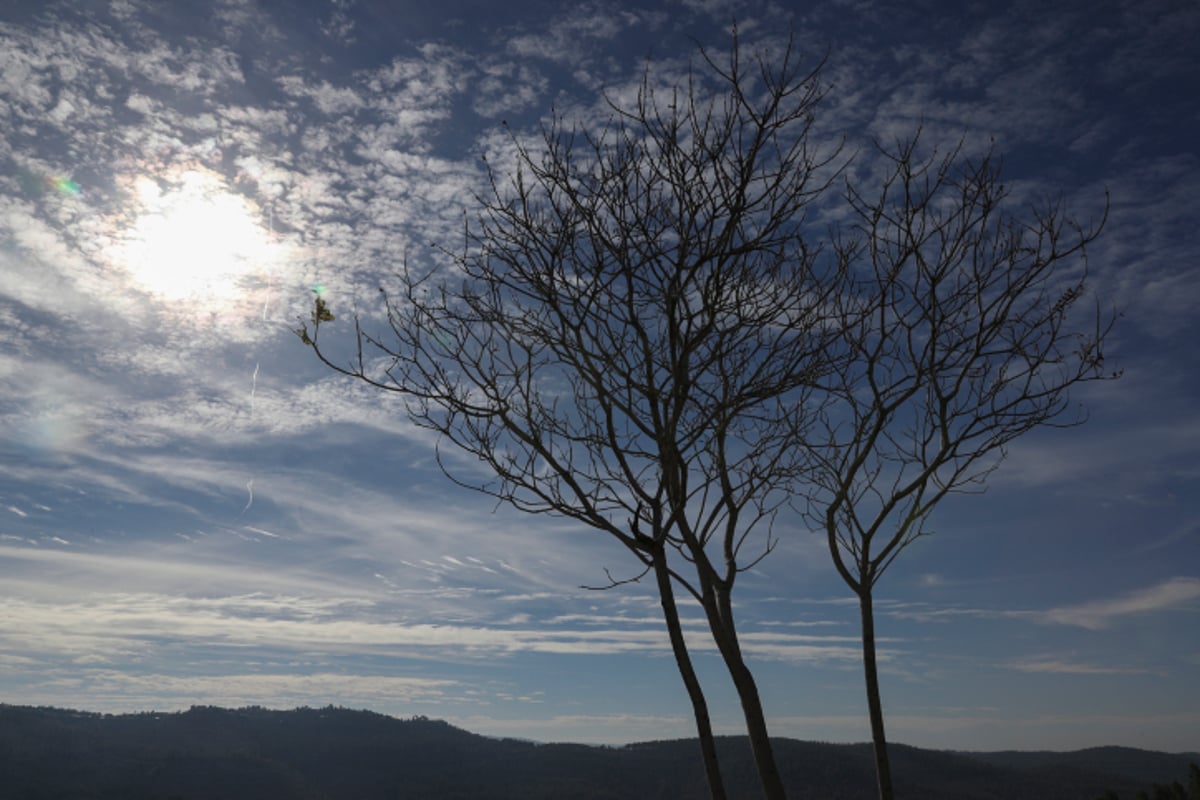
320 754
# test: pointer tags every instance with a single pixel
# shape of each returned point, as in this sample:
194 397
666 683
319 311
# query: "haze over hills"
309 754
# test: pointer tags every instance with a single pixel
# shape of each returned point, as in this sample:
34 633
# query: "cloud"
988 729
119 626
1172 594
509 87
1110 458
570 37
1098 615
1059 666
327 98
117 691
724 10
340 25
613 729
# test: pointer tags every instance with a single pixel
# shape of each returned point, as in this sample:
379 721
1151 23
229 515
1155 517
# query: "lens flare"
64 185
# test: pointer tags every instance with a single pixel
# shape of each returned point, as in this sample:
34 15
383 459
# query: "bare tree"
963 331
630 335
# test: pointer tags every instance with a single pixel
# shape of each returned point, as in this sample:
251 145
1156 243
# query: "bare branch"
615 582
633 332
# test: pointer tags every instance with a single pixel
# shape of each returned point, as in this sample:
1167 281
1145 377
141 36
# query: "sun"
195 242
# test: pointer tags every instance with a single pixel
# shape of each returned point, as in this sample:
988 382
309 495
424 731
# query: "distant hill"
335 753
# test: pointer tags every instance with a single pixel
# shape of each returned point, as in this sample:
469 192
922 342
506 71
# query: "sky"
193 510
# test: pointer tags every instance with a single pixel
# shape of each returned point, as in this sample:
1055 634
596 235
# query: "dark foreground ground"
358 755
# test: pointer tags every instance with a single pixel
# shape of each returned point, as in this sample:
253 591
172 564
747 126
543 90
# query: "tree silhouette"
639 334
630 335
963 329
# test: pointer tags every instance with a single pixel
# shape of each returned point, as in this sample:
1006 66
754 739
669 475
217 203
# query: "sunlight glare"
196 242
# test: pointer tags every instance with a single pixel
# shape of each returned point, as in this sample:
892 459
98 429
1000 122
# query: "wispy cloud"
1176 593
1180 593
573 36
110 690
1060 666
115 626
584 728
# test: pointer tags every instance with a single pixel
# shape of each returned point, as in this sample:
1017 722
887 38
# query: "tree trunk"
883 770
756 727
720 620
708 747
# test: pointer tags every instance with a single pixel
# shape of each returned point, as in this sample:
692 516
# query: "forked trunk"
708 746
883 770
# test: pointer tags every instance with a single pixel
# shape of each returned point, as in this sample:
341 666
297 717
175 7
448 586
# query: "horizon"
193 511
420 718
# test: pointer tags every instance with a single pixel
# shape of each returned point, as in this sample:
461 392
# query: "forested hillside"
314 754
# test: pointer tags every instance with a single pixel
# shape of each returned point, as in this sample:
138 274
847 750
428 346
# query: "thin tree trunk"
883 770
708 747
756 727
720 619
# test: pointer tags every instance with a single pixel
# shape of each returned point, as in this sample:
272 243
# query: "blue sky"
194 511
